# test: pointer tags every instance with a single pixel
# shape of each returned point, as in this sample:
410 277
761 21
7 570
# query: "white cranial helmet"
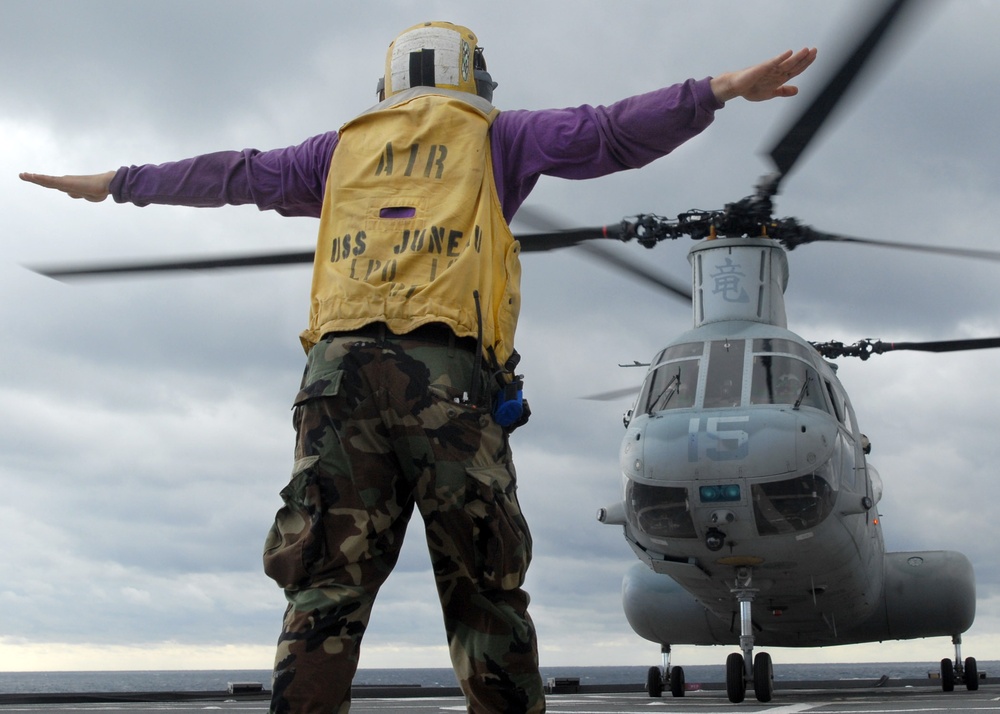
436 54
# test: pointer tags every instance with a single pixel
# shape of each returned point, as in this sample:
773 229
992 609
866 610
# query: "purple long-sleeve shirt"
578 143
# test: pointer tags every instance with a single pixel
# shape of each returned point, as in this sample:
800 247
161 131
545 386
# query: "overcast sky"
146 426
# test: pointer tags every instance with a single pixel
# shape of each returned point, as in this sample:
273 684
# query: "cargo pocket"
292 543
295 541
325 384
501 541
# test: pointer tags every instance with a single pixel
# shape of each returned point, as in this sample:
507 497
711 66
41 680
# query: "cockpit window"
778 379
681 351
724 382
673 384
789 347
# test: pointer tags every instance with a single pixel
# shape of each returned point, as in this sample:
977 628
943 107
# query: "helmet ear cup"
484 81
485 85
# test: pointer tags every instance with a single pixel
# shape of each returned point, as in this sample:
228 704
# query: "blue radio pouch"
509 408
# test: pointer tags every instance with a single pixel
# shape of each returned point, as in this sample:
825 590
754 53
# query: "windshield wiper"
803 392
667 394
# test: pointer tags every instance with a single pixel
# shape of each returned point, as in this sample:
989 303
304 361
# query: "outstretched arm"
289 181
766 80
93 187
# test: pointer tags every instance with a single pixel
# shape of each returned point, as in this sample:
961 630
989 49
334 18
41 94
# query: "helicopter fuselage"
744 472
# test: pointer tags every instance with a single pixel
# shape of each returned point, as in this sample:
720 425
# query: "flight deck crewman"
415 299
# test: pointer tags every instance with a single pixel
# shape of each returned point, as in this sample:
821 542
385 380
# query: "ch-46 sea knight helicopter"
747 494
749 499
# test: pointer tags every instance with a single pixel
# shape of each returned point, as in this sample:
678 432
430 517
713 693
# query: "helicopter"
756 213
747 494
749 499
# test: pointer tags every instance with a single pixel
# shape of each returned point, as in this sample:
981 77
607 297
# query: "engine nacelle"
661 611
929 594
925 594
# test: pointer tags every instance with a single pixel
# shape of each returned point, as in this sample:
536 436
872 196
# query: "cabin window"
659 511
848 463
836 401
840 407
792 505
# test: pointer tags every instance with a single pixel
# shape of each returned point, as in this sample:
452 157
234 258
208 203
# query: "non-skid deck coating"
894 697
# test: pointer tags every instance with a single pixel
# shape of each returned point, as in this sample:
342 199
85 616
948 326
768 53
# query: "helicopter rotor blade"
979 343
541 219
809 235
552 240
671 285
613 394
548 233
246 261
800 134
866 348
531 243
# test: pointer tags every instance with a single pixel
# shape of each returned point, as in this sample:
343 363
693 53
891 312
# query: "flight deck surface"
826 701
825 698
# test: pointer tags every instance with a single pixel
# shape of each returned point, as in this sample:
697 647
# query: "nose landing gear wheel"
763 677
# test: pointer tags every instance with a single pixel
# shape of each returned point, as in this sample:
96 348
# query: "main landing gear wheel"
763 677
947 676
677 681
971 674
736 684
654 682
959 670
672 677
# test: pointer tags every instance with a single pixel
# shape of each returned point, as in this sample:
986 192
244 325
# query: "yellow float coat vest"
411 230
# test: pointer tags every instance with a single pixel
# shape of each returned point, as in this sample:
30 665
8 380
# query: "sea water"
218 680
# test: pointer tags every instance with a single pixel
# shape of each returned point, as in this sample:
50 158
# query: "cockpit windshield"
674 384
779 371
782 378
724 382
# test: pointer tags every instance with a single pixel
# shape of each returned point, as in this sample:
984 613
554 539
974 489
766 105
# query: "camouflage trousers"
382 426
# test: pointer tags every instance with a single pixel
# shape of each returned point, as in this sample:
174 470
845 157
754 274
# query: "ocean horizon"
218 680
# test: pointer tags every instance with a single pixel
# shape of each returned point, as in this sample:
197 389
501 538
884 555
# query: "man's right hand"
766 80
94 187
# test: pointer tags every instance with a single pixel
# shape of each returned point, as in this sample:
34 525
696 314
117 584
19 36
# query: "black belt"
434 332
